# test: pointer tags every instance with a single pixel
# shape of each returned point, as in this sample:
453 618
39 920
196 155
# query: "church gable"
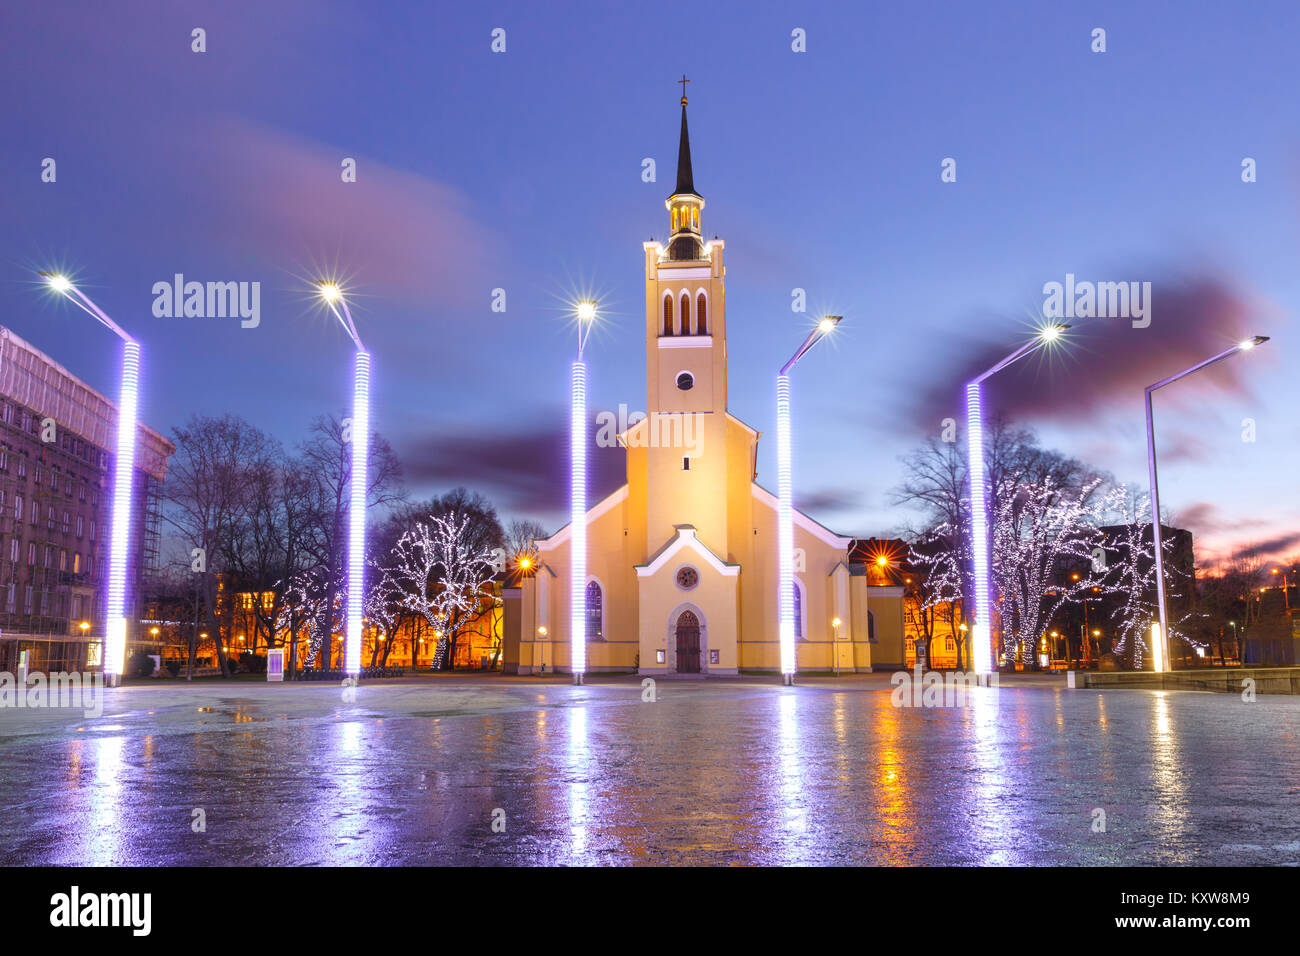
685 541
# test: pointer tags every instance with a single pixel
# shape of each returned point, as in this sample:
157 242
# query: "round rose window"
687 578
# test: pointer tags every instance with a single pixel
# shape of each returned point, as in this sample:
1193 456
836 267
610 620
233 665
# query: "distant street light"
360 442
785 508
1161 638
1286 588
981 626
123 478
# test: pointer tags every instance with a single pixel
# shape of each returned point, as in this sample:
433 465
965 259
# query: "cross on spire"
683 81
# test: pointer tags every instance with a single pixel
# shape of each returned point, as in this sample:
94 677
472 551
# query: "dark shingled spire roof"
685 181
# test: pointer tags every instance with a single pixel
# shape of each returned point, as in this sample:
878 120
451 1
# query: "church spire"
685 181
685 203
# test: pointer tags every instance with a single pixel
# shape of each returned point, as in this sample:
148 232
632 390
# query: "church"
682 570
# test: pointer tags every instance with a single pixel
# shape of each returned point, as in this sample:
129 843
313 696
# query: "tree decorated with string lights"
440 569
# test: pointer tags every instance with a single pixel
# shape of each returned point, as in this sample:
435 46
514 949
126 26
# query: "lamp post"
1160 649
123 473
1286 588
785 510
981 626
586 314
360 441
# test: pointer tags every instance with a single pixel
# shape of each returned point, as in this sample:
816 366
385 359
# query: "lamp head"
330 291
1250 343
828 323
57 281
586 310
1053 332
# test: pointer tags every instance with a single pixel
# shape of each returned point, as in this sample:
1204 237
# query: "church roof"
685 179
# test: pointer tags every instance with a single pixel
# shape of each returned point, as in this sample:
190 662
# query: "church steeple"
685 181
685 203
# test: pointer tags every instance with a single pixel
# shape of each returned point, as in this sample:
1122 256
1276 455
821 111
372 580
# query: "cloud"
282 198
1275 547
1106 363
525 470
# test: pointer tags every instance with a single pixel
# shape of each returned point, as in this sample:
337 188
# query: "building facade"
682 559
57 437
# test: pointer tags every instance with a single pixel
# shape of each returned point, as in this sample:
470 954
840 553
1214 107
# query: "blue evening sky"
821 170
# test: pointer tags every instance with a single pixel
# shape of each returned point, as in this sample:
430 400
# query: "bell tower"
686 366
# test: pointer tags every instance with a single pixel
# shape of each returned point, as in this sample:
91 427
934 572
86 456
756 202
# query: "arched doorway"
688 643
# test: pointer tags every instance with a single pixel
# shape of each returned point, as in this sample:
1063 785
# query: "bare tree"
327 461
206 501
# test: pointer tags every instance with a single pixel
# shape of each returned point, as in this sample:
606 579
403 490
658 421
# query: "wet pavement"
418 771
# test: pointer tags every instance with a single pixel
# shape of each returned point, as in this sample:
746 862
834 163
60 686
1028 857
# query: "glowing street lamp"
1160 636
123 474
1286 588
586 314
785 508
360 441
981 625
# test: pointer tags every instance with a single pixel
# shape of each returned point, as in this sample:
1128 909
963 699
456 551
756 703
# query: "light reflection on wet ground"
736 772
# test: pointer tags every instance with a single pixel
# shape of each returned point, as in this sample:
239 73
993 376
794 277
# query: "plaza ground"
415 772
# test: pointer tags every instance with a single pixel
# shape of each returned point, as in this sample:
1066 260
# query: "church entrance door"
688 643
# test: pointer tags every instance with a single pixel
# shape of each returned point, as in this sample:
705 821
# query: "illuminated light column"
586 313
359 439
123 479
1160 637
982 626
578 524
123 482
785 531
785 506
357 511
1157 648
981 635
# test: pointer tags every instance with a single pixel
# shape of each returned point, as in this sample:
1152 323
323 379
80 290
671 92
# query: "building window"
668 315
595 612
81 526
685 381
686 313
18 507
31 553
686 463
76 563
701 315
687 578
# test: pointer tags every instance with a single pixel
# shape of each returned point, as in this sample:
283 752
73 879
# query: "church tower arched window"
686 313
595 612
798 611
701 315
668 315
